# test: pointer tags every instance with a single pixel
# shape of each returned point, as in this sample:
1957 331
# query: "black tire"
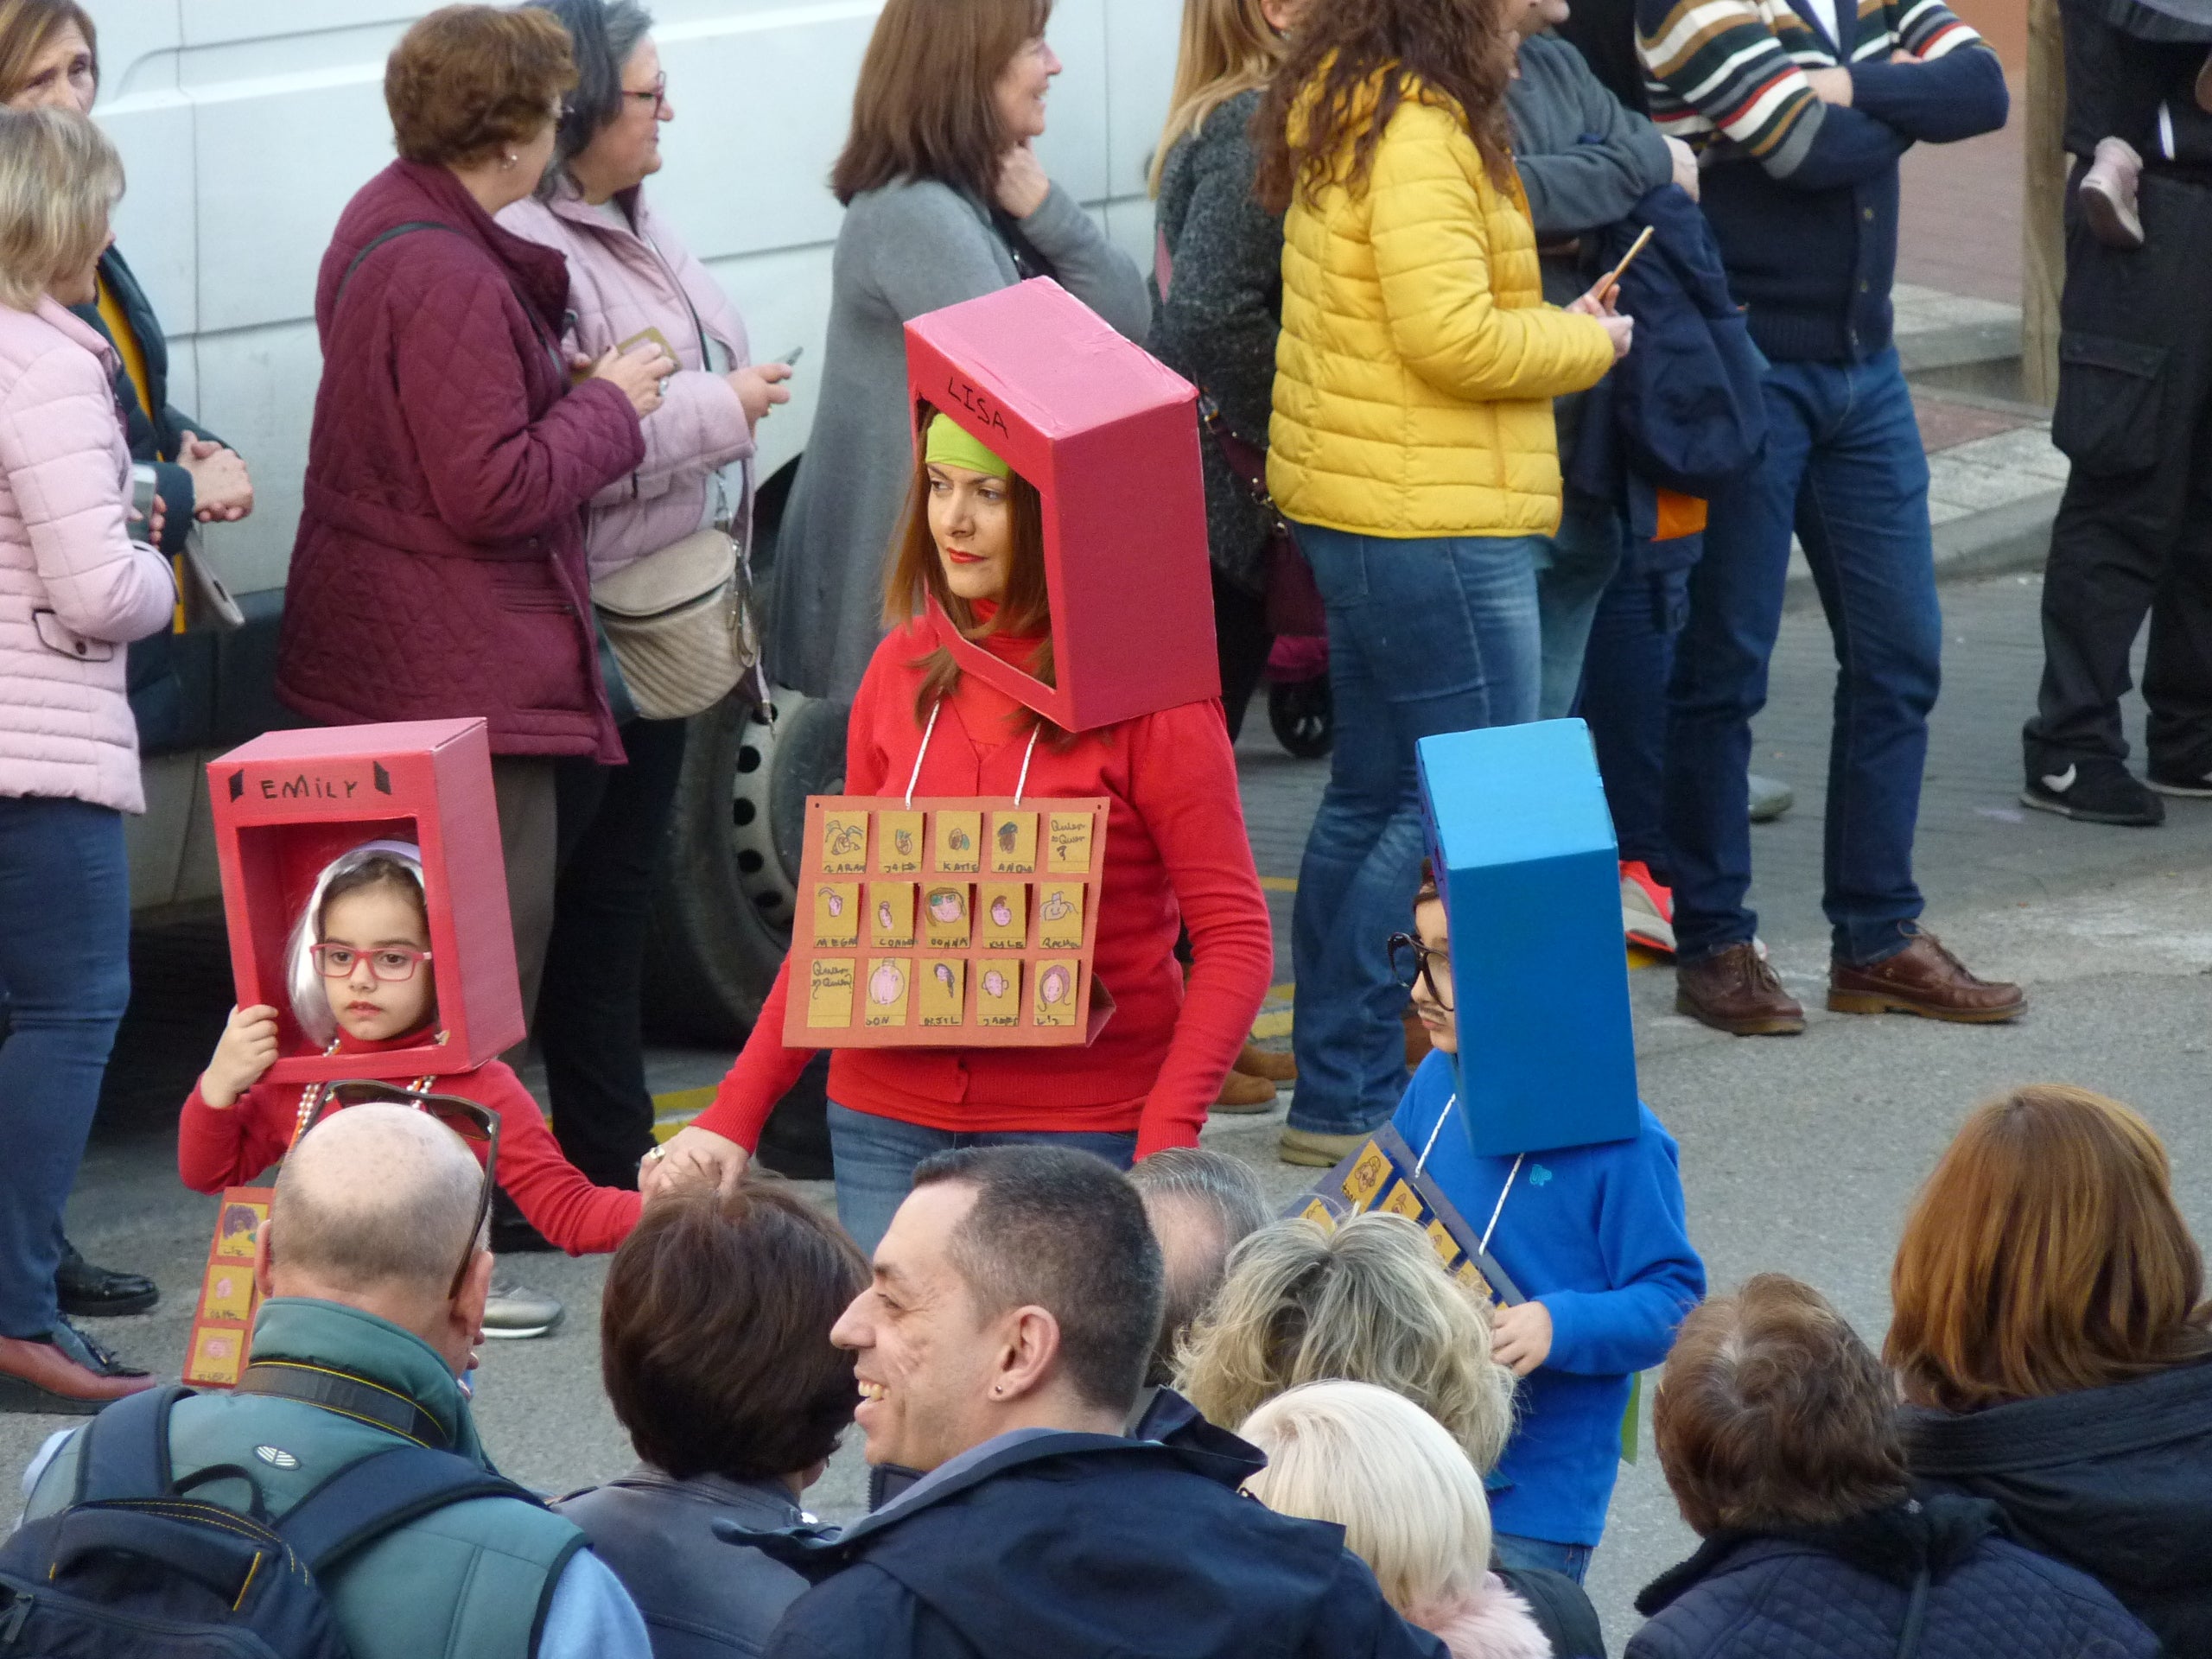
722 919
1303 717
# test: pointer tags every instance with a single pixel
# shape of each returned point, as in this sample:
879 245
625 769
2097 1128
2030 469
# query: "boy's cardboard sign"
1522 846
222 1325
1093 421
956 923
287 802
1383 1173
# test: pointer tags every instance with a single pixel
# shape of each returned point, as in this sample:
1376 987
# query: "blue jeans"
1625 703
1514 1551
876 1158
64 970
1844 466
1425 636
1572 572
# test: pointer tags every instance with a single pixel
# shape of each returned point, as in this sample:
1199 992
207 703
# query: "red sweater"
218 1148
1176 857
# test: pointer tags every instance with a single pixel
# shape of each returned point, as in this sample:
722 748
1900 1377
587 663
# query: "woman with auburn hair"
1776 1430
2054 1351
1414 451
1176 856
1368 1302
944 200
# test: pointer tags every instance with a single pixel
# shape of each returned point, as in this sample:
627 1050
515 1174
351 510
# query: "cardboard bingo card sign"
962 923
222 1324
287 802
1383 1173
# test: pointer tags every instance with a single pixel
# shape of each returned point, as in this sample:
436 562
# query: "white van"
245 126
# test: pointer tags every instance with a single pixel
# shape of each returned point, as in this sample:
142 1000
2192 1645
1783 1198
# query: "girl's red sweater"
1176 857
216 1148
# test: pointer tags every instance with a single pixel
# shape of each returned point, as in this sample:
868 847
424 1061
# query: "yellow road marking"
1278 884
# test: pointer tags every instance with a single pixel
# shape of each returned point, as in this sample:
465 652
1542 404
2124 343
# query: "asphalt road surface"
1799 1155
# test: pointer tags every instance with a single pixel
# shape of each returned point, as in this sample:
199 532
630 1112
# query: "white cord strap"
1502 1190
1026 755
928 732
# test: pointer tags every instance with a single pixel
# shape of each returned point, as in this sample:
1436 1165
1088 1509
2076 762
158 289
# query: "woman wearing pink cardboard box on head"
1175 854
362 981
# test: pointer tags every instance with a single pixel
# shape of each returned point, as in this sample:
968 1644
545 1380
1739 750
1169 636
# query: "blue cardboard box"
1525 858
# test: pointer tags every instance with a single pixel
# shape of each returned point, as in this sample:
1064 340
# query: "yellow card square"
1366 1178
1067 843
998 994
217 1356
944 915
1472 1277
1002 913
889 978
899 842
836 915
1014 843
228 1293
844 843
237 1228
1059 915
1057 983
891 913
960 842
1447 1248
829 993
1403 1200
943 984
1321 1214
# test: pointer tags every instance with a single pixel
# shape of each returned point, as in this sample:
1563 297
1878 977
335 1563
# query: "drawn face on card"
836 915
1403 1201
844 843
1067 836
889 978
899 842
217 1356
1014 843
1056 983
1059 915
1002 914
944 915
959 850
1366 1177
235 1232
998 994
829 993
941 986
228 1294
891 913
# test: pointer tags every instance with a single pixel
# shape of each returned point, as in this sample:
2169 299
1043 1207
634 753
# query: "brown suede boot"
1274 1065
1733 990
1924 979
1241 1092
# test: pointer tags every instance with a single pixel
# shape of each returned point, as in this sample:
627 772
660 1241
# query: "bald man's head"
378 1199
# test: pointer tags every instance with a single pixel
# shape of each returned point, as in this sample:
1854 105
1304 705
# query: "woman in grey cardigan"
1218 286
944 200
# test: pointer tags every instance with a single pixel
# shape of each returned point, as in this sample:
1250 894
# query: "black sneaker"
2098 790
2168 782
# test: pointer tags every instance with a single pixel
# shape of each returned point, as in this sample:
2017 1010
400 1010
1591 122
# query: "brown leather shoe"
38 1377
1925 979
1242 1092
1272 1064
1734 990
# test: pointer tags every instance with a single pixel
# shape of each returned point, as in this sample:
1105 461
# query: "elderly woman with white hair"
76 586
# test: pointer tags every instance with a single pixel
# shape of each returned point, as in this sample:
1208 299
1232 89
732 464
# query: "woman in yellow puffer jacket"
1412 450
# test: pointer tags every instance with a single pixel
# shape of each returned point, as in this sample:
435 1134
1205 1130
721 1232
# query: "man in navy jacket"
1800 113
1002 1348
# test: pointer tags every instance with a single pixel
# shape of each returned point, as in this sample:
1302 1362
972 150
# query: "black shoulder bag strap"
348 1396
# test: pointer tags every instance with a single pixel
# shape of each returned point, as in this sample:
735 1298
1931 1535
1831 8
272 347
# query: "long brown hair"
2045 1256
1228 49
26 26
1352 63
927 105
913 574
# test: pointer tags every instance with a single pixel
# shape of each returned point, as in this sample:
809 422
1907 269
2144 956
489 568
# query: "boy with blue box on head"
1526 1115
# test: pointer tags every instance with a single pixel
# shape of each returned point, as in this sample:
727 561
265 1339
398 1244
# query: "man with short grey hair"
374 1273
1201 1205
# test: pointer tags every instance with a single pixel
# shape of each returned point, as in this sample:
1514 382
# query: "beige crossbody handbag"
679 622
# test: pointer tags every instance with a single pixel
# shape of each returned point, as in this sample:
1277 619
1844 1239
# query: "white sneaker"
512 1312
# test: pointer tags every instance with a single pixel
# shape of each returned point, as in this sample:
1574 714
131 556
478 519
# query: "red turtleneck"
229 1147
1176 856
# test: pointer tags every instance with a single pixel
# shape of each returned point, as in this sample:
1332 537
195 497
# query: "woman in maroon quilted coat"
439 571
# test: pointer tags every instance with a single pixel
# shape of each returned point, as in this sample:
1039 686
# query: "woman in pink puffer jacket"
629 277
74 591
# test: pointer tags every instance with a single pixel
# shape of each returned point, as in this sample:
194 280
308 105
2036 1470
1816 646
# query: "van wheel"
722 919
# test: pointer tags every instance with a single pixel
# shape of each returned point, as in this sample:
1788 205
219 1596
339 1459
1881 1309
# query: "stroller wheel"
1304 719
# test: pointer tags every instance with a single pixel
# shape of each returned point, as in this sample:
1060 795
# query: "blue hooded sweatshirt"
1597 1235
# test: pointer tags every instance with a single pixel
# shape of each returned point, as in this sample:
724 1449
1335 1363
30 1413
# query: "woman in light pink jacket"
629 277
75 589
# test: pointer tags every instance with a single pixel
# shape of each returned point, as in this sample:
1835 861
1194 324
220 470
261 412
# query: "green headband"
949 445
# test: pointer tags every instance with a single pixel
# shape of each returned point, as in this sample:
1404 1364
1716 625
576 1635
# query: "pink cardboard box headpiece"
1109 437
288 803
